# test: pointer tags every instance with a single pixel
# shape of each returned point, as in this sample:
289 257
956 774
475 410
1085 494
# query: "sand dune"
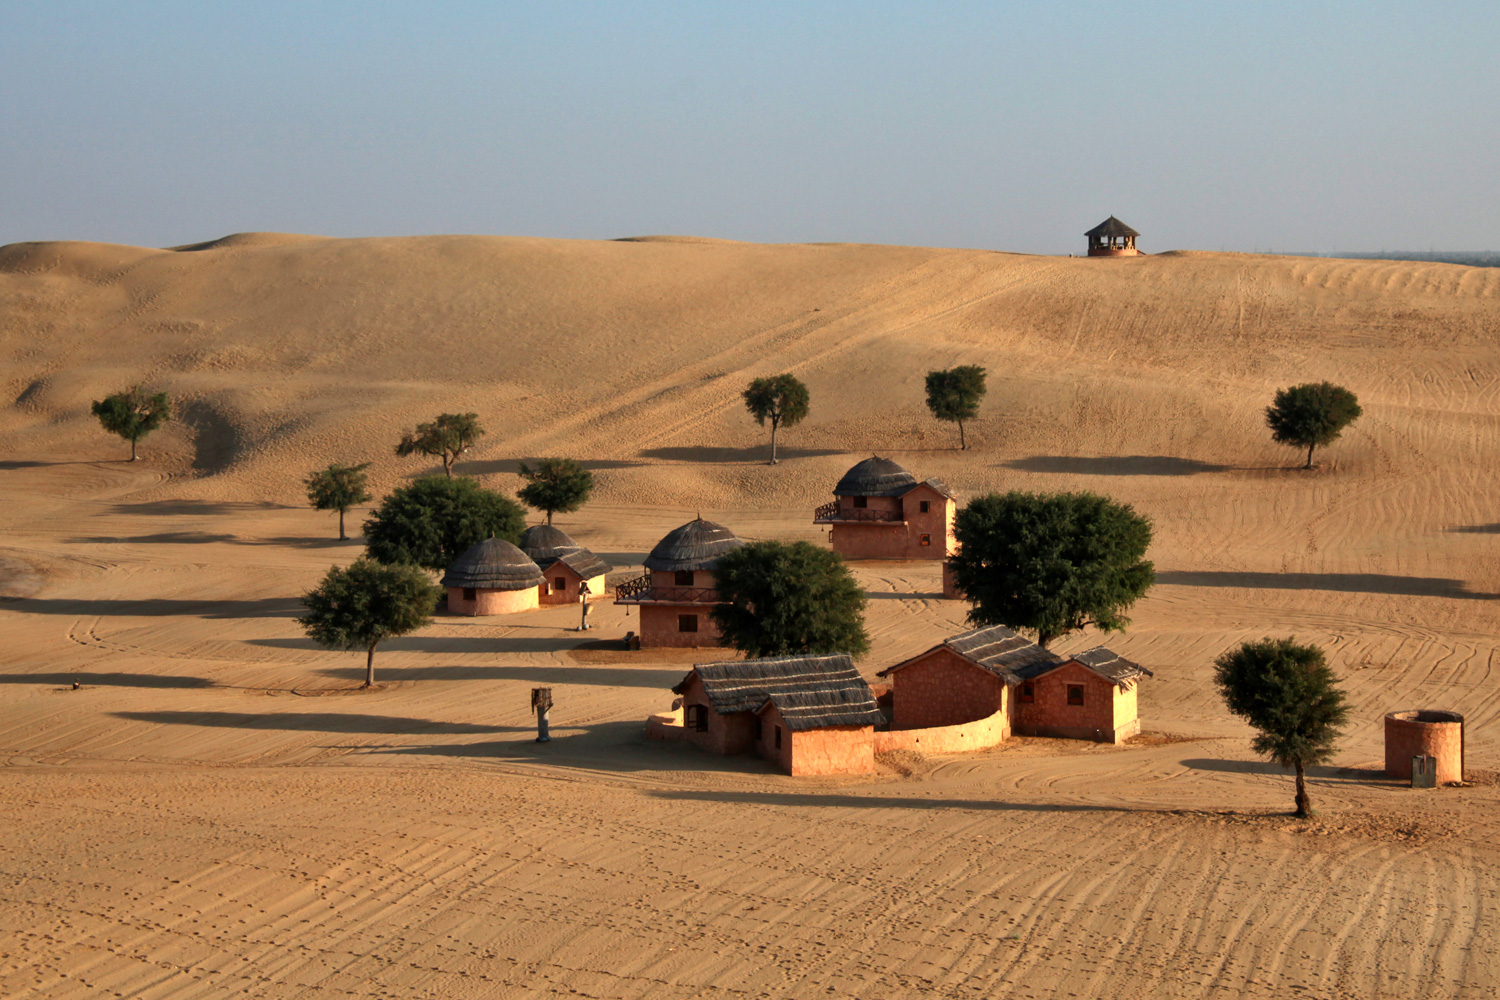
214 812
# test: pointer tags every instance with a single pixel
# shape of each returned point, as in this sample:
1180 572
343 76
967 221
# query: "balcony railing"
831 513
640 591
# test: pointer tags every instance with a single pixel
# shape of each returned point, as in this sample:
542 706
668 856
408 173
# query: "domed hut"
565 565
881 511
678 588
492 578
1112 238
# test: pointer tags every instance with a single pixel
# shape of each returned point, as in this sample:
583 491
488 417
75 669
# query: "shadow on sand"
1363 775
488 466
206 537
171 508
317 722
583 674
1115 465
760 453
87 679
268 607
1350 583
1474 529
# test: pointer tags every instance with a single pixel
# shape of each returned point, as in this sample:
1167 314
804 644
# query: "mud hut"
1112 238
678 588
565 565
492 578
882 511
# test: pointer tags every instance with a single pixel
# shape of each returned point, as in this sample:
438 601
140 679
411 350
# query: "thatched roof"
1111 228
696 545
811 692
493 564
547 545
1109 664
1014 658
875 477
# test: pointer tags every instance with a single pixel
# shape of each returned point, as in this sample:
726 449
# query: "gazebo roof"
875 477
1111 227
493 564
696 545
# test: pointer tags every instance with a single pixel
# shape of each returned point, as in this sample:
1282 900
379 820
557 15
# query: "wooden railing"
832 512
640 591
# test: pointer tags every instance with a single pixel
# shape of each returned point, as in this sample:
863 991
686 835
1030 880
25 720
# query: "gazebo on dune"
1112 238
492 578
678 588
564 564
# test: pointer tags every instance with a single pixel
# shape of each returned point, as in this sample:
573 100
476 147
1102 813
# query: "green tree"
555 485
133 414
781 399
1051 562
789 597
434 520
358 607
1312 415
954 395
447 437
338 487
1287 692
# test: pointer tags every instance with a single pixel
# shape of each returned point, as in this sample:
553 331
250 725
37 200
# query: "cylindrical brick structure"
1426 733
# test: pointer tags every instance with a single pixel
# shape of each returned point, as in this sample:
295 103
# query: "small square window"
1028 692
560 584
687 623
470 594
684 578
926 539
1075 694
924 505
861 501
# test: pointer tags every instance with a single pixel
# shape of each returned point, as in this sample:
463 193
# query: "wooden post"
541 704
583 600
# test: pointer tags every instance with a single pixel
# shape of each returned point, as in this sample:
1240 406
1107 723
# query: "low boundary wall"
981 734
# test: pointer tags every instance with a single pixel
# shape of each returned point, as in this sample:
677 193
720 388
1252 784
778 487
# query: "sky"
1266 125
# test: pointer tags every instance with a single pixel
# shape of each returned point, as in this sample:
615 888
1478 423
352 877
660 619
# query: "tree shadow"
1352 583
760 453
318 722
169 508
86 679
12 464
885 595
1363 775
267 607
572 674
451 644
1115 465
1474 529
207 537
880 802
484 467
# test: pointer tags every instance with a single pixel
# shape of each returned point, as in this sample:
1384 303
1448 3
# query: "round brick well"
1426 732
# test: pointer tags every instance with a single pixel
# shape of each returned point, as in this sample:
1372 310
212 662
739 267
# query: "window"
926 539
469 594
778 737
1075 694
697 717
1028 692
684 578
687 623
861 501
560 584
756 729
924 506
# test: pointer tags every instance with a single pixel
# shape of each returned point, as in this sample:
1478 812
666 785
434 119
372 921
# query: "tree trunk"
342 537
1309 456
448 464
549 518
370 666
774 422
1304 804
132 449
962 444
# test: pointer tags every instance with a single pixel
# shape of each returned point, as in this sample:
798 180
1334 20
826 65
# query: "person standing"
583 600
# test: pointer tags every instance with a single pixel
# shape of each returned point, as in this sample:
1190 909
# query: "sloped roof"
811 692
875 477
493 564
696 545
1111 227
582 562
941 487
1107 663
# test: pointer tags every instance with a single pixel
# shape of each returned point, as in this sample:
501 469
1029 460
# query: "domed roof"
875 477
542 541
493 564
1112 227
696 545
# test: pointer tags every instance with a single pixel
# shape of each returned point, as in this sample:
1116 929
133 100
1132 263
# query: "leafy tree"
781 399
338 487
1051 562
1288 692
447 437
133 414
556 485
434 520
789 597
954 395
356 608
1311 415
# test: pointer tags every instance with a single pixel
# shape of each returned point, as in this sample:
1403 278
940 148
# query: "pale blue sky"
1348 125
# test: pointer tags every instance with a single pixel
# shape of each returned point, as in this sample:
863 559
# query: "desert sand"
216 811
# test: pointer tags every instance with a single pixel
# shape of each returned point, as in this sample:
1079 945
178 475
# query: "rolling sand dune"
215 812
